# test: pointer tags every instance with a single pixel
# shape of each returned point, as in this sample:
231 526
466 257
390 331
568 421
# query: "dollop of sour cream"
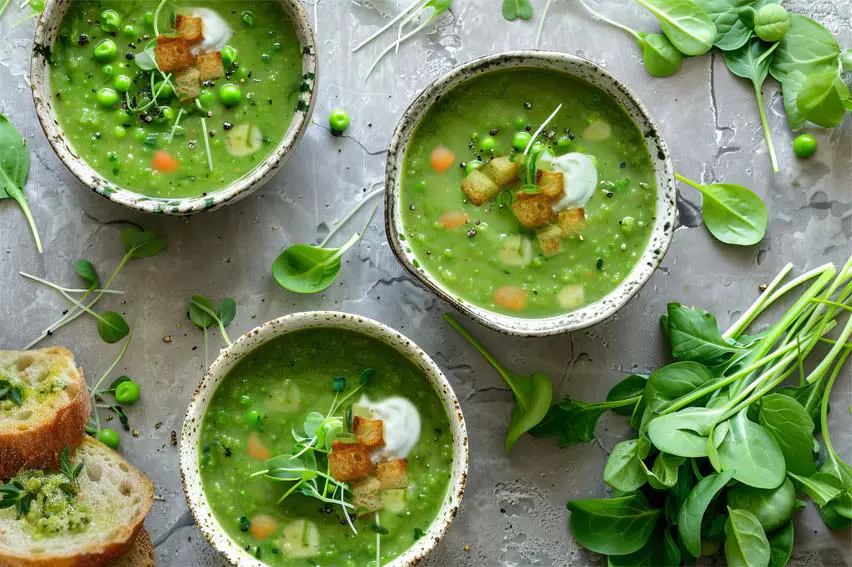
216 30
401 426
579 177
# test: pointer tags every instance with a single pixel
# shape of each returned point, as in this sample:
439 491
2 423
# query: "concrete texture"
514 510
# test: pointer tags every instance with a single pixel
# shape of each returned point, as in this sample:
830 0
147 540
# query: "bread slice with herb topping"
44 407
93 517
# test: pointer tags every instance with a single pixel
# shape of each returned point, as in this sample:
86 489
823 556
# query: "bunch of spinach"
14 170
721 448
204 314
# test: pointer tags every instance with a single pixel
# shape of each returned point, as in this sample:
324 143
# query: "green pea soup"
478 121
282 382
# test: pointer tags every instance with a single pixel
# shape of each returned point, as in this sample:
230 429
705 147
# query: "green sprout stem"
766 133
18 195
97 385
67 296
601 17
417 5
541 23
342 222
157 17
216 318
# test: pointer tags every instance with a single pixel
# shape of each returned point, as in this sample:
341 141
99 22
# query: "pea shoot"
204 314
338 121
805 145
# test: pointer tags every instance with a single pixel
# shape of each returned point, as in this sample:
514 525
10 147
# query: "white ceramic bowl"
45 36
228 358
666 208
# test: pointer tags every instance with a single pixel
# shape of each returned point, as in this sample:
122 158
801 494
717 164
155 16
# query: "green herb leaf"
379 529
781 545
514 9
660 57
821 487
664 473
71 472
366 376
624 469
746 544
613 526
694 335
302 268
338 384
673 382
793 428
141 243
733 20
12 393
86 270
575 421
752 453
112 327
691 514
199 317
227 311
652 554
14 170
631 387
688 27
684 433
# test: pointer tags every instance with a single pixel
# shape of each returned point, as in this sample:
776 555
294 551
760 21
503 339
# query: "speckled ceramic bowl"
45 36
228 358
666 209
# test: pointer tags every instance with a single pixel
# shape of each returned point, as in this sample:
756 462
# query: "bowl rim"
47 27
271 330
666 208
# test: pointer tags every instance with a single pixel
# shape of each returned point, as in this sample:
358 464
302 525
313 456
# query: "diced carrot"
453 219
164 162
442 158
256 448
511 297
262 526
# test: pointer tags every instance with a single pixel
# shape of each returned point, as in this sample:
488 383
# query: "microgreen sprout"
95 389
204 314
14 170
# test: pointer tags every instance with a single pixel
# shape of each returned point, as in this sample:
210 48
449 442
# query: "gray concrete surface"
514 510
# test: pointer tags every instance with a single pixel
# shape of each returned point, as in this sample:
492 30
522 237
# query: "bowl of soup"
173 107
323 438
531 190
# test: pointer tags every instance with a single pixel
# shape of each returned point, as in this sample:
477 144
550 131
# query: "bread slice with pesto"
44 407
140 555
77 516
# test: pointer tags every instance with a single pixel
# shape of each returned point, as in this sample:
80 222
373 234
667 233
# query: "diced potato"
286 397
550 239
570 296
395 501
533 212
188 84
393 474
571 221
550 183
479 188
361 411
210 66
244 140
366 496
300 538
172 54
189 28
369 432
511 297
501 170
349 461
597 131
516 251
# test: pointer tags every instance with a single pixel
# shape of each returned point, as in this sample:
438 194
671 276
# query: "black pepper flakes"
83 40
528 105
494 131
609 194
174 438
599 264
227 125
471 233
129 56
411 207
209 83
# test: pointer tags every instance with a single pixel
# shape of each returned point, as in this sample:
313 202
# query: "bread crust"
140 555
39 447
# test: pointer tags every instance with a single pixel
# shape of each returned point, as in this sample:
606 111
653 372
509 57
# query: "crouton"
502 170
172 54
369 432
393 474
533 212
210 66
349 461
550 239
366 496
550 183
479 188
188 84
189 28
571 221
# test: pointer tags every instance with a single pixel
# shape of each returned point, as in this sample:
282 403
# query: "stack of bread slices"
44 408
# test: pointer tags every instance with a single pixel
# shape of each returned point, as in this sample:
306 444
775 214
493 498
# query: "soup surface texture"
527 229
282 383
104 82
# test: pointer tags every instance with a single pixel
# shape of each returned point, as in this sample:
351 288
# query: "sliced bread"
99 524
140 555
44 409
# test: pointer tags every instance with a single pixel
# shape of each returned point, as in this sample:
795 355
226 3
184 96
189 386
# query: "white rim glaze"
45 36
228 358
666 208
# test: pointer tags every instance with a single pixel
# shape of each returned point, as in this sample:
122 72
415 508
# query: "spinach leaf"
679 492
692 512
752 453
684 433
664 473
771 507
613 526
732 19
672 382
660 57
821 487
514 9
652 554
624 469
532 394
14 170
746 544
694 335
575 421
688 27
808 396
781 545
630 387
671 549
824 99
791 426
846 61
302 268
751 61
732 213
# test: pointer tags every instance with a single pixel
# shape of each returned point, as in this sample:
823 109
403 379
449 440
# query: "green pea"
487 144
139 134
252 417
520 122
206 96
106 51
167 113
120 132
122 117
628 223
108 69
107 97
471 165
129 31
109 437
229 55
338 121
520 140
148 18
122 83
230 94
127 393
563 141
622 183
165 90
247 18
110 21
805 145
243 72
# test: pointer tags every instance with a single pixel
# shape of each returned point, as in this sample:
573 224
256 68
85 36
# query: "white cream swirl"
401 426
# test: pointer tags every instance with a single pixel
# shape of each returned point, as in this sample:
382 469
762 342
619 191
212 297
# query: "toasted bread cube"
367 496
172 54
369 432
550 239
479 188
571 221
533 212
210 66
550 183
189 28
349 461
393 474
188 84
502 170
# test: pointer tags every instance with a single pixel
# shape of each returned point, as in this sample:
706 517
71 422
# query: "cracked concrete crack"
356 140
184 521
